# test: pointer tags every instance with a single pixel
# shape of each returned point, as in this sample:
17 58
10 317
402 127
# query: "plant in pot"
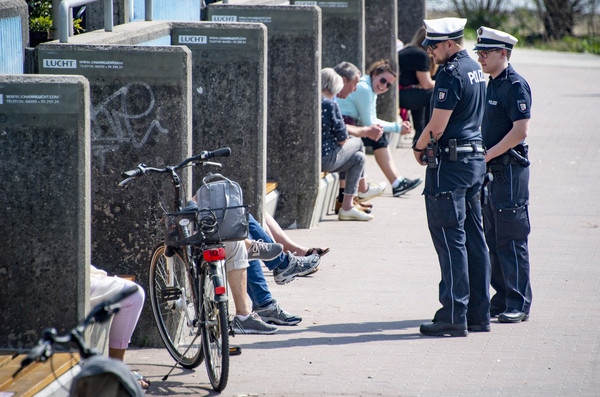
40 21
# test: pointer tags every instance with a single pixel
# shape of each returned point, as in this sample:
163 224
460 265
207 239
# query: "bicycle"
92 362
188 279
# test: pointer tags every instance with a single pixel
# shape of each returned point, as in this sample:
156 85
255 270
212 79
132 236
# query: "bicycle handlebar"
99 313
200 158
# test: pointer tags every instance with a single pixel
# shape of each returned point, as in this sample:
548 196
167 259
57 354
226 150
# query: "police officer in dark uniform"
451 147
506 219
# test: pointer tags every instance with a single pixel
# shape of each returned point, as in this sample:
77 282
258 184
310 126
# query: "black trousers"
417 101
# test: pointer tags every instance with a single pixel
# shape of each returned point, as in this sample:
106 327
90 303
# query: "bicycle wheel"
215 334
174 307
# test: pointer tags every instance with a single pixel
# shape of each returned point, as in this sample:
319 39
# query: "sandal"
318 251
143 382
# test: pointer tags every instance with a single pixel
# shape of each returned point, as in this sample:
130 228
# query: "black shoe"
513 316
478 328
405 186
494 312
443 329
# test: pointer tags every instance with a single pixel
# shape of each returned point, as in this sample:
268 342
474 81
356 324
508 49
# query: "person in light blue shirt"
359 109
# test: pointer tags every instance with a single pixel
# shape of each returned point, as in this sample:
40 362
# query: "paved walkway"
362 310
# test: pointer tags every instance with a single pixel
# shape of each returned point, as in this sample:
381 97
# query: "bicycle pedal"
170 293
235 350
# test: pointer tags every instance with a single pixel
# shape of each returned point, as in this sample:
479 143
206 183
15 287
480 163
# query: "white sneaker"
353 214
373 191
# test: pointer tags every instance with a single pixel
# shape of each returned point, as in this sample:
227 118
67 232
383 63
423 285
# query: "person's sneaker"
405 186
374 190
252 325
273 313
353 214
297 266
264 251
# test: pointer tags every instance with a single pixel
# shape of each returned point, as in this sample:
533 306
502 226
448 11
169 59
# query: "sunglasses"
484 54
383 80
432 47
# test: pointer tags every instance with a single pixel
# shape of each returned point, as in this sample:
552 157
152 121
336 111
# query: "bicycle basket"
179 228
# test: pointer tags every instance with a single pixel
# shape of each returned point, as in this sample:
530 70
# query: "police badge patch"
522 105
442 94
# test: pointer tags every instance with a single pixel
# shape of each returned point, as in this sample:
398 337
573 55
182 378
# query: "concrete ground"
362 309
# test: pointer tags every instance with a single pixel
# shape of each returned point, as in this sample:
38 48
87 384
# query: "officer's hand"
420 157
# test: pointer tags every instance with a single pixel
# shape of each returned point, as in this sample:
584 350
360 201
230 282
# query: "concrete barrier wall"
410 18
294 102
381 35
45 201
14 35
343 31
229 78
140 112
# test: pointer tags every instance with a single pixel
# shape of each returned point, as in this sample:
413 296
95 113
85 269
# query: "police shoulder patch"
442 94
522 105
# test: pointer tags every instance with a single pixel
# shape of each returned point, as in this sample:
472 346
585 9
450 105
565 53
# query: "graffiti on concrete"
114 122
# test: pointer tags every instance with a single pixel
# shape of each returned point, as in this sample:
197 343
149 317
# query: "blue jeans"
257 285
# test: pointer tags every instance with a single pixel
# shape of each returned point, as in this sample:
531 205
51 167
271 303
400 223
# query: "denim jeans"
257 285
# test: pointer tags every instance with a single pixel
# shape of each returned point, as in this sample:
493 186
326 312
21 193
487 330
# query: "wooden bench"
271 197
37 376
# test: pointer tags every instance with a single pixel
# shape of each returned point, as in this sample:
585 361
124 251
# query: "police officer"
506 219
451 146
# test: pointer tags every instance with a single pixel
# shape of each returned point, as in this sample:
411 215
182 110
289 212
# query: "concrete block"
381 34
229 95
14 34
294 115
140 112
45 202
410 18
343 31
328 186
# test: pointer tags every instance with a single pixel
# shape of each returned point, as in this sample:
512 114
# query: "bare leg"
237 284
385 162
348 202
363 186
117 354
279 236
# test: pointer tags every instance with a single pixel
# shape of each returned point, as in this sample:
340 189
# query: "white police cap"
491 38
442 29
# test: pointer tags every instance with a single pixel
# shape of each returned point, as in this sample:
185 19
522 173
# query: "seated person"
123 324
359 109
340 154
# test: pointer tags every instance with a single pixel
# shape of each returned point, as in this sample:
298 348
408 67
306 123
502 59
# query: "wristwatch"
414 147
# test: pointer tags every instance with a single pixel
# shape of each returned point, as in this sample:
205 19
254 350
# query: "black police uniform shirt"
410 60
460 87
508 99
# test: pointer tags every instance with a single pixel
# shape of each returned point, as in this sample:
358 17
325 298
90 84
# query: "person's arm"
515 136
365 101
425 80
437 125
373 132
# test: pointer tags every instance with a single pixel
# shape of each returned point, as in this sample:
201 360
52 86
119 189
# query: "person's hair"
418 38
508 54
458 41
347 70
381 66
331 81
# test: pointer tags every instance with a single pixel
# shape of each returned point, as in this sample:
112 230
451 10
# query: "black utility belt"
516 156
455 150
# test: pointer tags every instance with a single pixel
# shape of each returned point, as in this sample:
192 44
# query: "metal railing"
65 16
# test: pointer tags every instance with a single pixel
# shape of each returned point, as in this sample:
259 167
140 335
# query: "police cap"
442 29
491 38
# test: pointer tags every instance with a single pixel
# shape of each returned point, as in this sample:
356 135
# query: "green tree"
490 13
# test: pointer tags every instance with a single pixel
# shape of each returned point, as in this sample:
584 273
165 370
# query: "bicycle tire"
215 334
175 317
